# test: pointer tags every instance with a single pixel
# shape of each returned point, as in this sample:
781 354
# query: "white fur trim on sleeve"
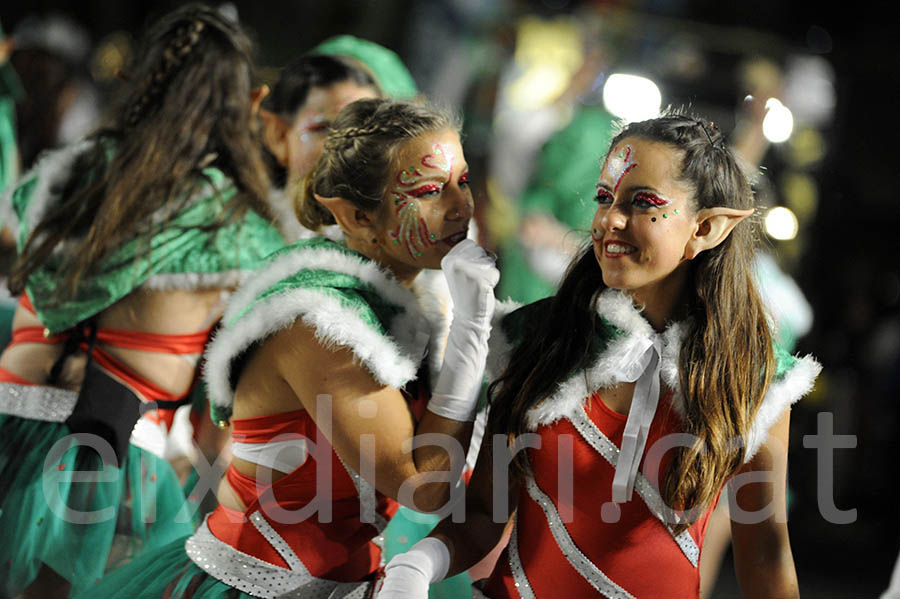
392 359
499 346
782 393
334 324
52 170
193 281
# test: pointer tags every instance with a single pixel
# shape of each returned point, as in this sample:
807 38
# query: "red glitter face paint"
619 166
647 199
441 159
412 232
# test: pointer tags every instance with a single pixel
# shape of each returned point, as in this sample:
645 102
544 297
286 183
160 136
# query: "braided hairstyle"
186 106
359 153
726 361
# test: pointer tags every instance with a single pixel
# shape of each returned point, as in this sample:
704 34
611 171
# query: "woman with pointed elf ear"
296 118
349 392
648 382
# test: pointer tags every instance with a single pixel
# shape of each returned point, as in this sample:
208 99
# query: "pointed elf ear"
713 227
275 131
352 221
257 95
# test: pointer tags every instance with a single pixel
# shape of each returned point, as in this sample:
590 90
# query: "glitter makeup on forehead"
412 231
441 159
620 165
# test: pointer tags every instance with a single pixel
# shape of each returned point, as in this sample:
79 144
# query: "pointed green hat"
390 72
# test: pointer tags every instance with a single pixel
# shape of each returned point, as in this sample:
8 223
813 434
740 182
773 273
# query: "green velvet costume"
135 504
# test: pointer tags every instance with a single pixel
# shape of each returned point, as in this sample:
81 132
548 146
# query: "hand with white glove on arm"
471 276
454 547
409 574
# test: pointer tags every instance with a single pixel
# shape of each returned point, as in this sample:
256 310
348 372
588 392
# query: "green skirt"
169 573
60 505
166 572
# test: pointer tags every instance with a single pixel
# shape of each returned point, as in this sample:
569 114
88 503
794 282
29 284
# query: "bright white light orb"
631 97
781 223
778 123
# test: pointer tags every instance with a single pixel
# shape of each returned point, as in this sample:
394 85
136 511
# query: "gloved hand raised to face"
471 276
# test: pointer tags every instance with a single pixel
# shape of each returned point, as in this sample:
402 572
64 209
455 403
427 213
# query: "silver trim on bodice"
260 578
602 444
37 402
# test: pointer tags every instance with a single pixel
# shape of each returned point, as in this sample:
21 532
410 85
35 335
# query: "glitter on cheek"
412 231
408 176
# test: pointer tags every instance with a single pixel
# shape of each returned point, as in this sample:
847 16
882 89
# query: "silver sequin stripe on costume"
37 402
515 565
578 560
606 448
368 502
260 578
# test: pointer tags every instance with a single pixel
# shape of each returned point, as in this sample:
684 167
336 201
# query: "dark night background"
845 259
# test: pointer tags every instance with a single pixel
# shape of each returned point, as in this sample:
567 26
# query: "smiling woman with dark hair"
643 386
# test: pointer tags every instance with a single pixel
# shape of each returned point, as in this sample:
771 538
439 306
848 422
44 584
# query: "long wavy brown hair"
186 106
726 361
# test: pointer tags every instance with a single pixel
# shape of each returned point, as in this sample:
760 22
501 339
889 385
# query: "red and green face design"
414 183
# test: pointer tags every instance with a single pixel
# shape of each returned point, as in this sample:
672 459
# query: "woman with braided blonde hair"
127 241
347 391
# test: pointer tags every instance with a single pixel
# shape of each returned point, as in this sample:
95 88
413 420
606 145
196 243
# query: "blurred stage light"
538 86
631 97
548 54
778 123
781 223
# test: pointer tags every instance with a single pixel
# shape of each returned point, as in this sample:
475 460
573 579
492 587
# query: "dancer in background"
127 241
648 381
329 363
297 115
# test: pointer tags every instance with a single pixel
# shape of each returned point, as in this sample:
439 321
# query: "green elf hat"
390 72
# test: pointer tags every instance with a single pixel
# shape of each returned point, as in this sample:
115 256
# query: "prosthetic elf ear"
275 131
257 95
352 221
713 227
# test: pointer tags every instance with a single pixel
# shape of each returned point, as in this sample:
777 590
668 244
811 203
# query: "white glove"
408 575
471 276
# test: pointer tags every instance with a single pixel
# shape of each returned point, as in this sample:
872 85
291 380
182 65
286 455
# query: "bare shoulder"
318 366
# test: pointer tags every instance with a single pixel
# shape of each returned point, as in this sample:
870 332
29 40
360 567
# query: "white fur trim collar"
618 309
392 359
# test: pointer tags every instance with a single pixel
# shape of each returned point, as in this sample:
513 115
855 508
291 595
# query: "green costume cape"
186 254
